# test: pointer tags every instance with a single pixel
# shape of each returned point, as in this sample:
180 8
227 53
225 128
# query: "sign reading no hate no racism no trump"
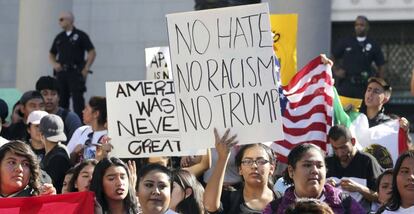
224 75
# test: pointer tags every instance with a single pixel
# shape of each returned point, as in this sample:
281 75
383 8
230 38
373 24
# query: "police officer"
67 56
355 56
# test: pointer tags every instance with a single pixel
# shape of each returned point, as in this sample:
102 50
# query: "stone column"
38 25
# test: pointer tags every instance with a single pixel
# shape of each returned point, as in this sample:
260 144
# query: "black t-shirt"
233 202
363 165
16 131
40 153
379 118
70 50
357 57
56 163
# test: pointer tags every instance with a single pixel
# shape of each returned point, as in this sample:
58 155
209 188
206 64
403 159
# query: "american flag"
309 109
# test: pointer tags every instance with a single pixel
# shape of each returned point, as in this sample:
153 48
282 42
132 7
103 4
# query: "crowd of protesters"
47 149
37 158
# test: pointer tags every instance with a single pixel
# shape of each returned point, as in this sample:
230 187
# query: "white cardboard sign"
224 74
142 119
158 63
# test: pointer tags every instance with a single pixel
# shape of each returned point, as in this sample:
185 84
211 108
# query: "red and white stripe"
308 114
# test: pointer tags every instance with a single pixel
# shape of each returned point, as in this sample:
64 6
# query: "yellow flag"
350 103
284 28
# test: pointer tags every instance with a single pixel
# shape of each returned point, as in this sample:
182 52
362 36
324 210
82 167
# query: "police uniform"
357 58
70 52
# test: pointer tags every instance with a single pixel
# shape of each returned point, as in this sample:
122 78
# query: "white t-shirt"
81 135
3 141
409 210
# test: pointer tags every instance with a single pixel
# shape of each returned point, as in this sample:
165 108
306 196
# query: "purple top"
331 198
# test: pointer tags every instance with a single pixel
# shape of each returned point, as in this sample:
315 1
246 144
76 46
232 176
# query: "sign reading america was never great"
142 119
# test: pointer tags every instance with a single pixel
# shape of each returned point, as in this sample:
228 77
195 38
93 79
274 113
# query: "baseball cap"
4 110
36 116
51 126
381 82
28 95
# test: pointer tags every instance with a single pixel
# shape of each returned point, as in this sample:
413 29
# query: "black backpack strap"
346 201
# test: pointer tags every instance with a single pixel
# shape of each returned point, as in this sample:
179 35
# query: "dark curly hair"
20 148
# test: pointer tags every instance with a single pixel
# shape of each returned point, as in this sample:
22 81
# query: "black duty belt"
71 67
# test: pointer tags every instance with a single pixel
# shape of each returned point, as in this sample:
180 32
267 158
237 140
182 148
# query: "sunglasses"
61 19
381 82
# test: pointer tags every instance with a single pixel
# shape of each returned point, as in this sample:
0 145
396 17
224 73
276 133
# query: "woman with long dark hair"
86 141
402 197
255 163
187 193
82 176
113 188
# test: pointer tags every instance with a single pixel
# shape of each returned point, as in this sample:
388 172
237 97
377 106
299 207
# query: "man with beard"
348 164
49 88
354 57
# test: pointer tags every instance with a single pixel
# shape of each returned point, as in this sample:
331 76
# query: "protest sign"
142 118
284 30
158 63
224 74
79 202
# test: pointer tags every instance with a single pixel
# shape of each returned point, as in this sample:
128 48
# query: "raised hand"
224 143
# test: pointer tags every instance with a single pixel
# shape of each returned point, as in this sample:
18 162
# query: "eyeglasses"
259 162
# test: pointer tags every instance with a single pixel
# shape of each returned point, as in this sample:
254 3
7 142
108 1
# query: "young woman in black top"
255 163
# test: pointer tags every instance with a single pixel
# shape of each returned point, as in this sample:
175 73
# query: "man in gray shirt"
49 88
